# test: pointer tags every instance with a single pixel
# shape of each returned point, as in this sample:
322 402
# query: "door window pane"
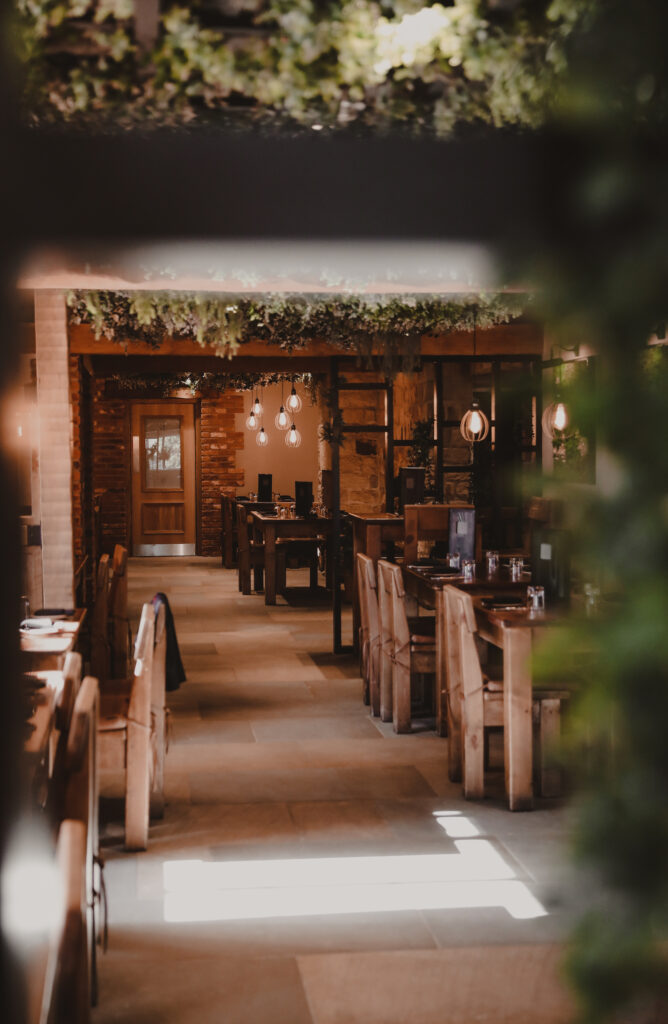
162 449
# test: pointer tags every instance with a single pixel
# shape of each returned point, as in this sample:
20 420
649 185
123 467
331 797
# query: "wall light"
556 419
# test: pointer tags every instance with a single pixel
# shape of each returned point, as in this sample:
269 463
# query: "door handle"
135 453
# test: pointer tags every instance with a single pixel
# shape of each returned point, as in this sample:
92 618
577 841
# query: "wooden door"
163 478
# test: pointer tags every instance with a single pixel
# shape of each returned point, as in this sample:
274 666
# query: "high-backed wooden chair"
70 689
475 703
408 643
100 656
119 623
369 631
251 553
125 735
428 523
159 715
230 536
81 802
66 996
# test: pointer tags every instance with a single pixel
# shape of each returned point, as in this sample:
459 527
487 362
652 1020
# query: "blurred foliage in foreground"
604 281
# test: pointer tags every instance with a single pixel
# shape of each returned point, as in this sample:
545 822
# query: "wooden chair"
119 623
125 735
429 523
159 714
81 803
251 553
100 656
370 632
230 537
66 997
475 704
408 644
68 694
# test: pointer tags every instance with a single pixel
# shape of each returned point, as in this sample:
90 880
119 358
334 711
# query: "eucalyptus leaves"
362 325
349 61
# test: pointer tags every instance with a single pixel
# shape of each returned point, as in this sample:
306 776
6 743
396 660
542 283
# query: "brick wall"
76 410
362 456
219 443
110 458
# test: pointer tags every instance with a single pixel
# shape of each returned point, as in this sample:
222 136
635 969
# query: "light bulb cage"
257 406
282 420
293 438
294 402
252 421
468 419
550 417
262 438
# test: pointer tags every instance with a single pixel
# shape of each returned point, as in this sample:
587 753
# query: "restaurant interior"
336 541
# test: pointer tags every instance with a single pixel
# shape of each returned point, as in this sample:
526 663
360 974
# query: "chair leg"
401 697
548 742
473 756
157 805
385 687
137 788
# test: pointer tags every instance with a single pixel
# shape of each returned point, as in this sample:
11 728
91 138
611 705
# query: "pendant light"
282 420
474 425
294 403
252 422
293 438
262 438
257 405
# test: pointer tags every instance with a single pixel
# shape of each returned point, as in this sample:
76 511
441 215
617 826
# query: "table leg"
270 564
517 724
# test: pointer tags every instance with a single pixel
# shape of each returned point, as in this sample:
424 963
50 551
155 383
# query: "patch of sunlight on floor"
475 876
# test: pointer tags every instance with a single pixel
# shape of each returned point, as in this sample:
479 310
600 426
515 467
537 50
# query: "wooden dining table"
370 533
514 632
271 528
48 650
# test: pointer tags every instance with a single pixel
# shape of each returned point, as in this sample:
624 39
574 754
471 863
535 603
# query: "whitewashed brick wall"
55 465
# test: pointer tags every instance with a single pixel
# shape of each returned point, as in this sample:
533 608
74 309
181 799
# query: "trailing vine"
364 325
361 62
198 383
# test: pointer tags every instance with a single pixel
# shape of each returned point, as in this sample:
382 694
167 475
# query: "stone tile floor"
311 865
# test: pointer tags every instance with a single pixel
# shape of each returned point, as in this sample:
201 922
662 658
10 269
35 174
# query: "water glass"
516 567
536 598
453 560
492 559
592 597
293 511
469 569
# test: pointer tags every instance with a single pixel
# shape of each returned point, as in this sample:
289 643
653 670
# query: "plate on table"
38 627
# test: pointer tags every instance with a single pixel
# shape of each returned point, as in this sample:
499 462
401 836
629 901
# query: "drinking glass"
293 511
592 596
469 568
536 598
516 567
453 560
492 558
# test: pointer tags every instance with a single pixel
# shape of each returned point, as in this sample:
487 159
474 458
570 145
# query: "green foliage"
205 382
605 283
347 62
363 325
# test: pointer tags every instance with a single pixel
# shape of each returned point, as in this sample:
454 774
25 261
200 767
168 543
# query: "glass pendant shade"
556 420
257 406
282 420
474 425
252 422
262 438
293 438
294 402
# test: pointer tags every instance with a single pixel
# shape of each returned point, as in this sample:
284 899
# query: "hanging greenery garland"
205 383
363 325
